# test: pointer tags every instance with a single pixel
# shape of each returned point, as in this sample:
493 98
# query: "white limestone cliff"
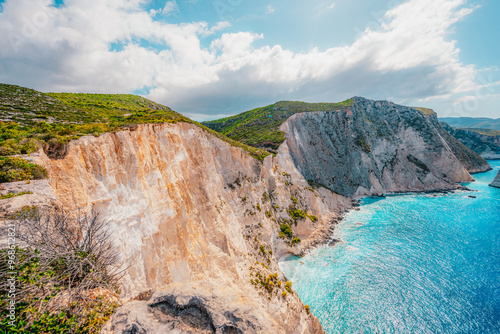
185 208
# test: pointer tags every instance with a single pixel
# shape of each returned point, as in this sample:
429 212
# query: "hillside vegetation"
486 132
261 127
30 119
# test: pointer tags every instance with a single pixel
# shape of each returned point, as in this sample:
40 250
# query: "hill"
473 124
260 127
30 119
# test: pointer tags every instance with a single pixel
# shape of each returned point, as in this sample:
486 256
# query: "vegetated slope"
261 127
361 147
30 119
486 145
472 123
486 132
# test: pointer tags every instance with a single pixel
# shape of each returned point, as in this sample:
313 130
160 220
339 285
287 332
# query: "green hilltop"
261 127
30 119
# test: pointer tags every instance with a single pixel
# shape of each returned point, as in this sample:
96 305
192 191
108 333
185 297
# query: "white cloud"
170 7
270 9
330 6
68 49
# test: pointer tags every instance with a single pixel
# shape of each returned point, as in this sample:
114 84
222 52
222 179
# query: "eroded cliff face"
373 148
197 222
496 181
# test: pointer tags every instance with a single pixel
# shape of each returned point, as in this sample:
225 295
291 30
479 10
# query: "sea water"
409 264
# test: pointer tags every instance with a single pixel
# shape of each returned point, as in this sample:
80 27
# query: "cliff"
374 147
487 146
360 147
496 181
197 221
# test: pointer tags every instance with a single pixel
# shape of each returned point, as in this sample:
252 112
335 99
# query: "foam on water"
409 264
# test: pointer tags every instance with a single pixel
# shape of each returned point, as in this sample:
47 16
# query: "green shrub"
14 169
313 218
286 230
296 213
10 195
288 287
296 241
74 115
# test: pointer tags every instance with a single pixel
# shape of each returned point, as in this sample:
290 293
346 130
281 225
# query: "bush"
313 218
66 267
296 213
10 195
286 230
14 169
296 241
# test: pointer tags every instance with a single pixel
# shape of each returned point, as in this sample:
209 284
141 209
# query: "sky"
216 58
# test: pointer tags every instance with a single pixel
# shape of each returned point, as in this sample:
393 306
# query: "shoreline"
326 235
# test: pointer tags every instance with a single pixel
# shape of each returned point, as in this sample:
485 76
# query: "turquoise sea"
409 264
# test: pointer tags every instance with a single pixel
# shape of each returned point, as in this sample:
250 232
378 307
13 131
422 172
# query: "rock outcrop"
496 181
486 146
192 212
375 147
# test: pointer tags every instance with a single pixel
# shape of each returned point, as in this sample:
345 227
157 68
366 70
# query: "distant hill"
472 123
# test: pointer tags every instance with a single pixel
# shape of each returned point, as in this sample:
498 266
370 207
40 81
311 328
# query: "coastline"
325 235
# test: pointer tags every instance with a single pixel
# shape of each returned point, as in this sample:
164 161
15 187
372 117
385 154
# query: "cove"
416 263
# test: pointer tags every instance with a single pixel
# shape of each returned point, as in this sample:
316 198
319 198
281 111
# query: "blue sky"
209 59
